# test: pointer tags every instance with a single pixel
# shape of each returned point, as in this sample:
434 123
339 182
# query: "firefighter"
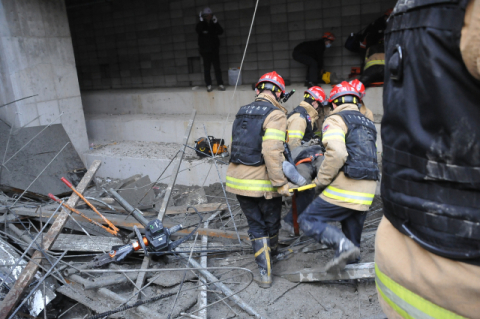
325 111
427 250
360 88
346 179
255 172
300 129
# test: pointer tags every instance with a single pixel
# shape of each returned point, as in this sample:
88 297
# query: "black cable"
126 307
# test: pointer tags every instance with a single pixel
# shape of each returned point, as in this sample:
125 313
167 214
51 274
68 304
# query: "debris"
20 163
353 271
138 192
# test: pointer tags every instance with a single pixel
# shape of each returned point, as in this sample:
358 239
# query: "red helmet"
274 78
328 36
358 86
388 12
342 89
317 93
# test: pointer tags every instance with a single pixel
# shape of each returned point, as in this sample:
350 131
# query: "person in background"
360 88
208 30
311 53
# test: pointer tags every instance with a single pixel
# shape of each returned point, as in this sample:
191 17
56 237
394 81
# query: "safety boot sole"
262 283
337 264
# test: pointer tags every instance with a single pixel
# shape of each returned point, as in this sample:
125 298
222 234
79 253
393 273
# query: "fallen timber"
129 222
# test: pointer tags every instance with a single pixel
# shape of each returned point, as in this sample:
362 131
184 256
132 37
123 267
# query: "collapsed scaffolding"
51 249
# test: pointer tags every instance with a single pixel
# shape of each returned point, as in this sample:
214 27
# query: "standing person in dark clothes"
310 53
208 30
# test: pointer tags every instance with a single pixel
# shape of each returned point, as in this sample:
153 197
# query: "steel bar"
202 296
296 228
38 284
173 177
27 276
149 313
23 98
242 304
223 187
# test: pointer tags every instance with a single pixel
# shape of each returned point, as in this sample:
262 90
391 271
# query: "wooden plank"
353 271
120 221
28 274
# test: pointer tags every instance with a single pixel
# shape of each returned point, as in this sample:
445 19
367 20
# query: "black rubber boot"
262 251
274 244
345 250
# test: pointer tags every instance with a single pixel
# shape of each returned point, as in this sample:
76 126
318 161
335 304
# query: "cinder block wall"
147 43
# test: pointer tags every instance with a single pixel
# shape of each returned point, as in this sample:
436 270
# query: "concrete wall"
36 58
147 43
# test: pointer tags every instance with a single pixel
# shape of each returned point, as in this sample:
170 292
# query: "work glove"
283 190
214 19
200 16
292 174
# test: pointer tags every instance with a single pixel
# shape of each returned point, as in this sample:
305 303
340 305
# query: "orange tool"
112 226
55 198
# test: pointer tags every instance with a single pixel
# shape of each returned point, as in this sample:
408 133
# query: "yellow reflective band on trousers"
274 134
348 196
295 134
407 303
255 185
334 134
373 62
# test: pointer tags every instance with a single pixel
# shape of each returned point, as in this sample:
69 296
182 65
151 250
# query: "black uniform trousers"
263 215
315 218
311 63
210 58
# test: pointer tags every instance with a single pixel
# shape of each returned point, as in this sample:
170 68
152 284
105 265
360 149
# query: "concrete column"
36 57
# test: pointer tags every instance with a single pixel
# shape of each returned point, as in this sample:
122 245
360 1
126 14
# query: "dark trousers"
315 218
210 58
263 215
375 73
311 63
303 199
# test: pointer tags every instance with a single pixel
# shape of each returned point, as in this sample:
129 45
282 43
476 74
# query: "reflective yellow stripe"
319 134
274 134
334 134
295 134
250 184
348 196
405 302
373 62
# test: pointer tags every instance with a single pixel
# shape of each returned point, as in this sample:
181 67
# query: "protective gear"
326 77
209 88
262 180
214 19
358 86
283 190
388 12
328 45
207 11
361 147
274 244
292 174
248 133
301 125
316 93
343 89
345 250
431 152
328 36
221 87
262 251
272 78
200 16
341 190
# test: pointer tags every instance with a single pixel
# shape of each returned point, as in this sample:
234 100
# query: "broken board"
353 271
